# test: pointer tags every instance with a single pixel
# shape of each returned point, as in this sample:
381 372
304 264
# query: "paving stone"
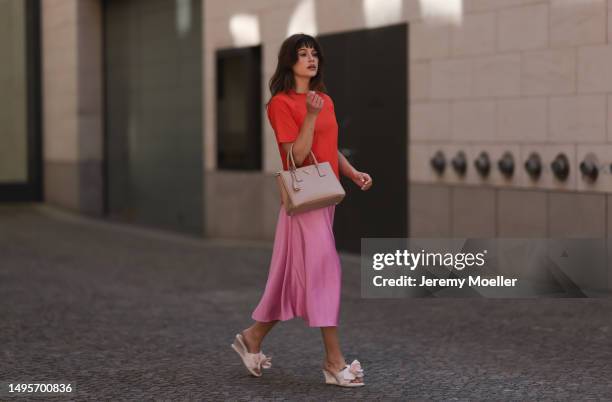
134 315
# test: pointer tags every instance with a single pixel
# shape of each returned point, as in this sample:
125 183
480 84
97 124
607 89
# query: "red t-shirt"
286 112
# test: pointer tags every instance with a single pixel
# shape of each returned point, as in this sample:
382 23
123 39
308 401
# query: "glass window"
239 108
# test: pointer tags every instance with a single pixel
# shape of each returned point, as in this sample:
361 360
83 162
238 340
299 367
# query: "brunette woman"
304 278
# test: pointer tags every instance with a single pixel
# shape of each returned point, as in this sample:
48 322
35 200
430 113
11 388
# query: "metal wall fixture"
483 164
560 167
438 162
459 163
589 167
533 165
506 165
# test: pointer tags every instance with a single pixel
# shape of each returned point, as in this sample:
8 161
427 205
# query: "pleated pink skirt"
304 279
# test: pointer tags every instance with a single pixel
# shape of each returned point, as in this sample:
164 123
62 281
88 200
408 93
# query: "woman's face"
307 63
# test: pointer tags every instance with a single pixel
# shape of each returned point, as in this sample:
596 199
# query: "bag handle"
290 156
293 171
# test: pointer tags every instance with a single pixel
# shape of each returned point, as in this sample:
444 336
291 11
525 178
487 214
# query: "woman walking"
304 278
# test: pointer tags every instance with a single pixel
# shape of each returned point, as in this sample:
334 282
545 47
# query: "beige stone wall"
503 75
516 75
72 103
59 69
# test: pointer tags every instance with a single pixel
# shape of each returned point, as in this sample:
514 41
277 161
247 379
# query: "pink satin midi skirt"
304 278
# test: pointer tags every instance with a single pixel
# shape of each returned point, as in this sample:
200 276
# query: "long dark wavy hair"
282 80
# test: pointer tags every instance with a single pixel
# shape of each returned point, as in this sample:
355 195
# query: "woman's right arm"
303 142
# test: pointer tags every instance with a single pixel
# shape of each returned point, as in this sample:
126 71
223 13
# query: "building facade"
477 118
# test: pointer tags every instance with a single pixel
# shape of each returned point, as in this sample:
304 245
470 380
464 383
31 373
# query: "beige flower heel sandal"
344 377
254 362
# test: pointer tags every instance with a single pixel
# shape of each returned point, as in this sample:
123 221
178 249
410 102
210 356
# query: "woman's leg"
334 361
254 335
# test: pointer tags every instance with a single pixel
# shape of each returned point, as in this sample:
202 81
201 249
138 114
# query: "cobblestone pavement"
133 313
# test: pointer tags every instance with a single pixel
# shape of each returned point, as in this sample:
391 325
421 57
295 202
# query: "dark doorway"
366 75
153 116
239 108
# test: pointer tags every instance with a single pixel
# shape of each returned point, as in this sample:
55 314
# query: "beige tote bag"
308 187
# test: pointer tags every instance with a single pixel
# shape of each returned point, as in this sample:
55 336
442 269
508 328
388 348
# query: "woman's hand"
362 179
314 103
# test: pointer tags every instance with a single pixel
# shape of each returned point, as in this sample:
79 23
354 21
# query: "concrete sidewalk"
133 313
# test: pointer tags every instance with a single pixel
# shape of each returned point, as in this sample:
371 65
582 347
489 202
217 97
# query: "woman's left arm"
362 179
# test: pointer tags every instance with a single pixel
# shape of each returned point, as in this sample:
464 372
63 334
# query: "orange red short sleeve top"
286 112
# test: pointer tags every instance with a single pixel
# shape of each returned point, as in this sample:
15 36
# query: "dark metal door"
366 76
153 69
